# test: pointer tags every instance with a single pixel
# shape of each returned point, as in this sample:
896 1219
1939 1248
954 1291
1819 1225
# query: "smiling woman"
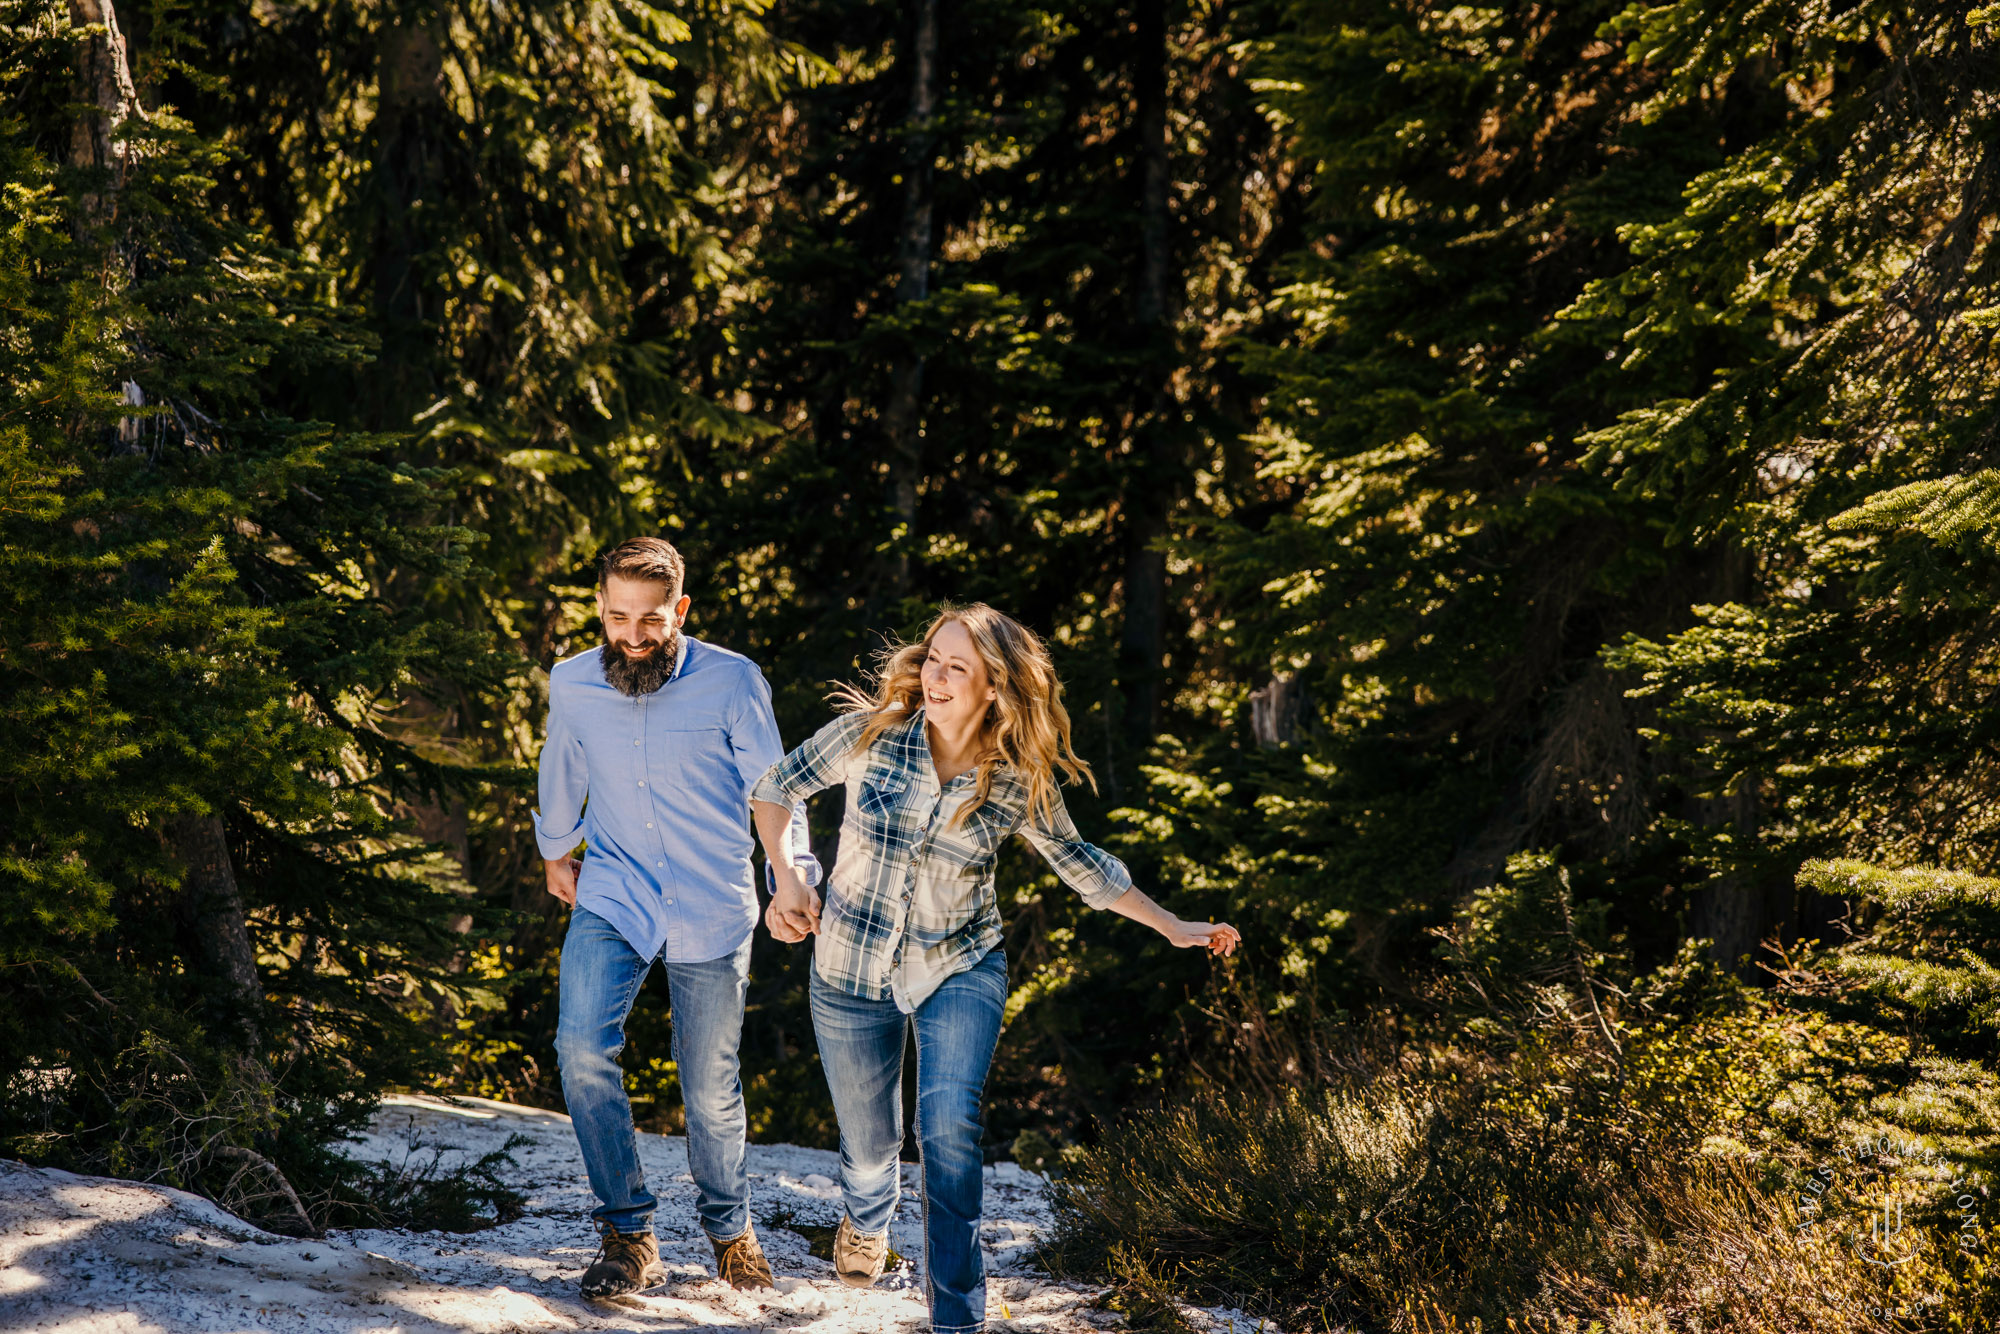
955 748
990 697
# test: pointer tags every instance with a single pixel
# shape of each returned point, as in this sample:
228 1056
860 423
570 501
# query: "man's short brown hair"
647 559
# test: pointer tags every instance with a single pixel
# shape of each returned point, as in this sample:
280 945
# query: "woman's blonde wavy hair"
1026 726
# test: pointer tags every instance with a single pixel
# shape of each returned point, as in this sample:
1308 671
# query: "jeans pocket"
987 978
994 968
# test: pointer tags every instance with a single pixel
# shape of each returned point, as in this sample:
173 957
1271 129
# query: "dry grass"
1421 1210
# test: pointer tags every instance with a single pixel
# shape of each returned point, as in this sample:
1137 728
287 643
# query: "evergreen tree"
529 210
1848 693
1418 578
525 207
1924 968
218 948
1635 325
1061 342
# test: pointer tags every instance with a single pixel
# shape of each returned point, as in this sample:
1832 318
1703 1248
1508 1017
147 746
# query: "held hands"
793 913
562 877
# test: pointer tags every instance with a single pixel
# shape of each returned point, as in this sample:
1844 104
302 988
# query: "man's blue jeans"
601 976
861 1051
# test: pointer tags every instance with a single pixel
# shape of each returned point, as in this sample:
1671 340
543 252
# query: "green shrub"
1556 1145
424 1195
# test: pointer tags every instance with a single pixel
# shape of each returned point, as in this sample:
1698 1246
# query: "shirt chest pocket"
882 795
879 805
666 751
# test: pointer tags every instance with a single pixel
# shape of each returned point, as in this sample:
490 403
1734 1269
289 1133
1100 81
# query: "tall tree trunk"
103 84
415 139
1733 913
411 133
1156 307
1148 491
902 416
218 928
1730 911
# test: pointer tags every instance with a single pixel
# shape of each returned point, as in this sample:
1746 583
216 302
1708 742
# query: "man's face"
638 620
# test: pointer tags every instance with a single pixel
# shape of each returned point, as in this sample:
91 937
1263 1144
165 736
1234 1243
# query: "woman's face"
956 686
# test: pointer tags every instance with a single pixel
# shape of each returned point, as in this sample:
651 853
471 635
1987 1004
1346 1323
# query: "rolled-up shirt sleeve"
818 763
562 787
753 736
1099 878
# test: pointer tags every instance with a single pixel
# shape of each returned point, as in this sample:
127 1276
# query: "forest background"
1511 490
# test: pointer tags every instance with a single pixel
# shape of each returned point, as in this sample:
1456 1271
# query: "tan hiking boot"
858 1256
626 1262
741 1263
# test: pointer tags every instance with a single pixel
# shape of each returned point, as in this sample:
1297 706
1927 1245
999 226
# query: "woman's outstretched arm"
1103 882
1218 938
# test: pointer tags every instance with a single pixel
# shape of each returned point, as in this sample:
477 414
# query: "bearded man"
664 735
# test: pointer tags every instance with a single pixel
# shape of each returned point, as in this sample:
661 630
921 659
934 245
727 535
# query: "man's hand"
562 877
794 910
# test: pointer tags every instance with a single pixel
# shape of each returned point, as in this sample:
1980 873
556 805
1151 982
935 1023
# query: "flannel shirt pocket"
879 793
879 811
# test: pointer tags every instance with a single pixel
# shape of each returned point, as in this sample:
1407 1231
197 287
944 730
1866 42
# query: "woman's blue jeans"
861 1050
601 977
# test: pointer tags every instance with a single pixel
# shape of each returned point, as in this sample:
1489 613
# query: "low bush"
425 1194
1565 1148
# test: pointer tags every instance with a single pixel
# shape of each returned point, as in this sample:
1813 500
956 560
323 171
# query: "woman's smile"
952 670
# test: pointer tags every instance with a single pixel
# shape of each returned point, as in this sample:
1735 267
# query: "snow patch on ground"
89 1255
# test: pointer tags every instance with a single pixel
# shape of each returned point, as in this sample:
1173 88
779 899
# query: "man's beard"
640 676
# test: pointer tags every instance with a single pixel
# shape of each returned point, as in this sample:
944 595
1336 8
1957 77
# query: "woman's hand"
793 913
1218 938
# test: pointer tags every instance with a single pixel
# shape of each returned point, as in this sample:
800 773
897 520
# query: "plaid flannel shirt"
906 877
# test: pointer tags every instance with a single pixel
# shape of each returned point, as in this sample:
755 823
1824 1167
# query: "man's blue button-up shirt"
667 778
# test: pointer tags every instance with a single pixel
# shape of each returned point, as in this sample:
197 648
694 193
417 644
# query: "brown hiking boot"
626 1262
858 1256
741 1263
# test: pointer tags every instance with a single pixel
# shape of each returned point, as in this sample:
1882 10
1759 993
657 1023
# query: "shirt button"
642 782
659 863
670 903
635 741
649 824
